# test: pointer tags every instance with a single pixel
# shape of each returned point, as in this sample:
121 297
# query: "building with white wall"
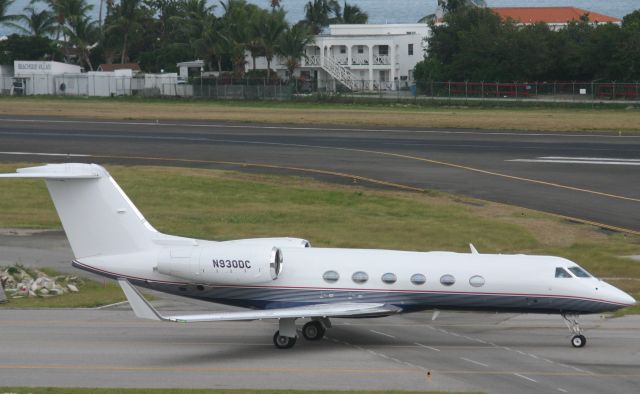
38 77
360 57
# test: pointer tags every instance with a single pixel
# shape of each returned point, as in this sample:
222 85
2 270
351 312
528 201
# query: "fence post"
613 93
466 89
449 89
593 91
482 90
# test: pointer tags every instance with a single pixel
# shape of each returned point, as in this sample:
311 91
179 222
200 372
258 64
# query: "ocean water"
409 11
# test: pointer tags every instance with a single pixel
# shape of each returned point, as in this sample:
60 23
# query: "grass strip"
623 120
221 205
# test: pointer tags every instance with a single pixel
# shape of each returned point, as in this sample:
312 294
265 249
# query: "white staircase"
340 73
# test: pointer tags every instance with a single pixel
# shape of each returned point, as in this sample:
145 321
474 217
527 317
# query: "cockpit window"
562 273
579 272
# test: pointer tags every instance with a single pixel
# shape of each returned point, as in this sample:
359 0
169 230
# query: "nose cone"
615 295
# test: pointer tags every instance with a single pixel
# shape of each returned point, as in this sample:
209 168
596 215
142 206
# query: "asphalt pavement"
591 176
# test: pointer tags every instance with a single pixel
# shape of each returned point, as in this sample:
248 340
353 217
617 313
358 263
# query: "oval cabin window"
331 276
476 281
447 280
389 278
360 277
418 279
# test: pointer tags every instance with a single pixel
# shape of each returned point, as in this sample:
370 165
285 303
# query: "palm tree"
447 6
275 4
275 24
64 9
293 42
39 24
126 20
235 32
4 8
318 13
352 15
83 33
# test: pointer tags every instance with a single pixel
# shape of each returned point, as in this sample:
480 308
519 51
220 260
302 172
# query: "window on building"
410 49
343 49
389 278
383 50
562 273
360 49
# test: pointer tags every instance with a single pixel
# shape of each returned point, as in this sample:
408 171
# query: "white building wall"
378 54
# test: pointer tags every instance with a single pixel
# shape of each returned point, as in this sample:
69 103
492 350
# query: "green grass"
223 205
342 111
84 390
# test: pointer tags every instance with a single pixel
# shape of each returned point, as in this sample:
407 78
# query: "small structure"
556 17
133 67
38 77
185 68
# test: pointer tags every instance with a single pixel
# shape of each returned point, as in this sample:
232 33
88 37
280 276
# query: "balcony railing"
360 60
312 60
381 60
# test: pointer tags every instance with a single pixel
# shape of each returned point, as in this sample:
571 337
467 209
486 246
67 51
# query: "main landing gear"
286 336
571 320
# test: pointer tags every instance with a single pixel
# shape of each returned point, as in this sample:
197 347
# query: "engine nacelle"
223 264
280 242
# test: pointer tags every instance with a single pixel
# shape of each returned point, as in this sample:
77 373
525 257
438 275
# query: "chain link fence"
163 85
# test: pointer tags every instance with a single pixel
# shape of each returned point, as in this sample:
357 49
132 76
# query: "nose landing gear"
571 320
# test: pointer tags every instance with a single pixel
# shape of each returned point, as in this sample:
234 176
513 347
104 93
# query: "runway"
590 177
465 352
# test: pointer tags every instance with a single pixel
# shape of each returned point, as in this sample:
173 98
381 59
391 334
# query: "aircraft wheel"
313 331
283 342
578 341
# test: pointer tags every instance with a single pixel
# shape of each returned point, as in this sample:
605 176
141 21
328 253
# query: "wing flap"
144 310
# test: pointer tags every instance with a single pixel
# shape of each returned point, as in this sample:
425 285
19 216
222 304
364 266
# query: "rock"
32 294
72 288
56 291
43 291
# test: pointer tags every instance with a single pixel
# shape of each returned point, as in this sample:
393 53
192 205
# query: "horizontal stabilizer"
58 171
144 310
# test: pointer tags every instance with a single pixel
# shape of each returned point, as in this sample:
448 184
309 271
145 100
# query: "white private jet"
286 279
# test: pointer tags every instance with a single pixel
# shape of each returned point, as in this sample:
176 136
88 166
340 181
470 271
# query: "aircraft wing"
144 310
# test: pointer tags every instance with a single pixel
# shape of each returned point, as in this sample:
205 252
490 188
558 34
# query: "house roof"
550 14
124 66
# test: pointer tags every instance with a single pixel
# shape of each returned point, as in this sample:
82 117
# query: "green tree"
36 23
18 47
293 43
236 32
351 15
83 33
4 8
273 28
320 13
126 19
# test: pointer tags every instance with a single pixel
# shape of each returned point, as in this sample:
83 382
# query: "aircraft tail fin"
97 216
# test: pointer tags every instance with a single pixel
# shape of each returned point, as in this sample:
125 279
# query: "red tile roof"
125 66
550 14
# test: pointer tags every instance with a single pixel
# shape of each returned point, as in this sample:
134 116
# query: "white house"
360 57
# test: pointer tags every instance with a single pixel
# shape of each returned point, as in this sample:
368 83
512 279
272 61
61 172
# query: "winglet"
473 249
140 306
59 172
